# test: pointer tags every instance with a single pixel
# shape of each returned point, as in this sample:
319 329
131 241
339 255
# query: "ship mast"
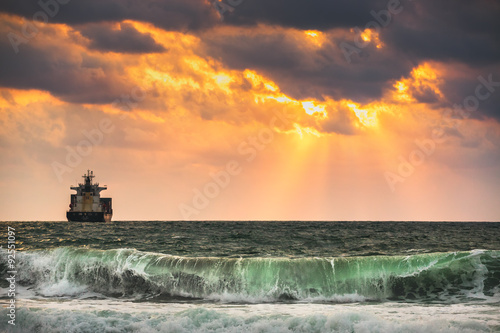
88 177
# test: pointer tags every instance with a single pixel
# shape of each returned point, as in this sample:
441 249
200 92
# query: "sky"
252 109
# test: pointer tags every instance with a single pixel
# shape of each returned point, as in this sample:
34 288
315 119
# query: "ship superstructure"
87 205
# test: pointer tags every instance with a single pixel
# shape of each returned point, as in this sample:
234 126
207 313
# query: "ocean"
251 276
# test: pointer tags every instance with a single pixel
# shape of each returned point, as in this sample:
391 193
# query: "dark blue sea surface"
262 238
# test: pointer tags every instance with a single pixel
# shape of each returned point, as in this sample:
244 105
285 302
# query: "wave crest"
131 273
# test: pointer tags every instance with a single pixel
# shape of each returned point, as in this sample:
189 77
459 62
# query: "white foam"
119 316
62 288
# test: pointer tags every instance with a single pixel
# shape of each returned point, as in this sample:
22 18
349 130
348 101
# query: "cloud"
340 120
7 96
122 37
303 69
426 29
463 87
270 38
71 61
55 60
169 15
466 34
313 14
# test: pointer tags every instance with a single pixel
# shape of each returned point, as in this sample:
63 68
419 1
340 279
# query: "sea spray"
200 319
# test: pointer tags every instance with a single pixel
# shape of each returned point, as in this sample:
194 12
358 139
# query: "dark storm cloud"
263 50
304 72
308 72
169 15
73 75
426 29
198 14
428 44
126 39
477 95
311 14
459 34
447 31
456 31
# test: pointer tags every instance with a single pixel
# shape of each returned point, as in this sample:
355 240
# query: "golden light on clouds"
401 93
316 37
423 78
368 117
370 35
426 76
259 81
26 97
313 108
301 131
202 74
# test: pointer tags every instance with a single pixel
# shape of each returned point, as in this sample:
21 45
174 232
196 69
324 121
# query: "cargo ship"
87 205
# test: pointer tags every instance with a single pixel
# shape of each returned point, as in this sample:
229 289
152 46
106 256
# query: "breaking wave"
441 277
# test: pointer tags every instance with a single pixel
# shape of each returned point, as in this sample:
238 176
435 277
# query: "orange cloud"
423 83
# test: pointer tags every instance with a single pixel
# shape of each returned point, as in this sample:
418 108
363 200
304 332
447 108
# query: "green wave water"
441 277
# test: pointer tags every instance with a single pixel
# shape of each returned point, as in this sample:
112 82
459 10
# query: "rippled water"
258 238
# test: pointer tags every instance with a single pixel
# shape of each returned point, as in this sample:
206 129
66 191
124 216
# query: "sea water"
253 276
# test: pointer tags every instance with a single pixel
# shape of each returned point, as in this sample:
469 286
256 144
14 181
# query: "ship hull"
88 217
